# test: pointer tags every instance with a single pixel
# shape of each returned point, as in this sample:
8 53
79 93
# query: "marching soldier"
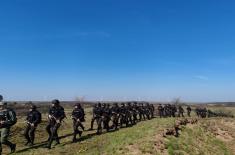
97 116
129 114
181 112
152 110
173 110
55 117
123 119
7 119
189 111
32 120
106 116
135 112
115 115
78 117
142 111
160 110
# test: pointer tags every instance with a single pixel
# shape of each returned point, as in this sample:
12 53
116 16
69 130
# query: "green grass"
139 139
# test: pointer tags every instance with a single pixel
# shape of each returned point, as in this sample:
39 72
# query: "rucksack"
13 117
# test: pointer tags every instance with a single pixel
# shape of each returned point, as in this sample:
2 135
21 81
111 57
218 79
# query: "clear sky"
117 49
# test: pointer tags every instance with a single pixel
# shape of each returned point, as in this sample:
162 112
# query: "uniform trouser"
98 120
181 114
135 118
77 124
160 113
115 121
4 138
140 116
30 133
123 119
106 120
93 120
52 129
189 112
147 113
152 114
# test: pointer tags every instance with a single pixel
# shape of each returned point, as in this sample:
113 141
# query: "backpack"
13 117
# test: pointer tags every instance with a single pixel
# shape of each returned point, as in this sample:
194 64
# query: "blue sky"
152 50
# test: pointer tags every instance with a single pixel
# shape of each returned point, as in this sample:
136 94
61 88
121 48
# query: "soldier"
165 113
181 112
78 117
55 117
152 109
115 115
97 116
106 116
173 110
7 119
160 110
189 111
34 117
147 110
135 112
123 119
129 114
142 111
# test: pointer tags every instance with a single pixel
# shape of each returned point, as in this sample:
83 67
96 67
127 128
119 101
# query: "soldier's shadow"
83 138
43 144
33 147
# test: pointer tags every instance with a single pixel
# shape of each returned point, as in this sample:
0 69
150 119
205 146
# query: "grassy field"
215 136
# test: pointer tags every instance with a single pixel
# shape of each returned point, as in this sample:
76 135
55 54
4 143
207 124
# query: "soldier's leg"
121 120
126 121
99 123
143 115
140 116
26 134
115 122
51 135
80 125
32 134
134 118
48 129
75 130
4 139
92 122
104 123
56 133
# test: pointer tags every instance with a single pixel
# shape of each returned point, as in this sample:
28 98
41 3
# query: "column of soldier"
171 110
107 117
125 115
